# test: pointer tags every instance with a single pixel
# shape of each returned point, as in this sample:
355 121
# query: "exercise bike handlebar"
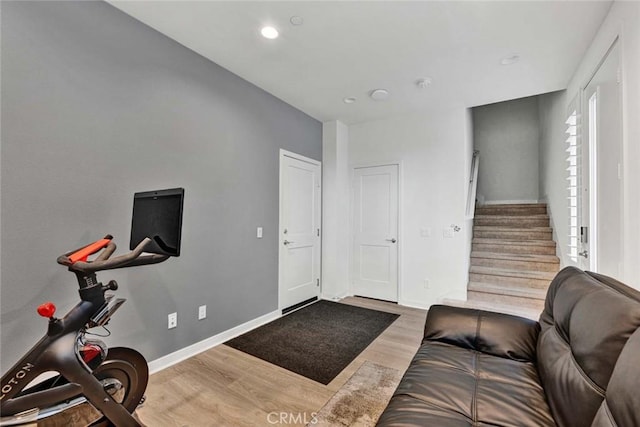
77 260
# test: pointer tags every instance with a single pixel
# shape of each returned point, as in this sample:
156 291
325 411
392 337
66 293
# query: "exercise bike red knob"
47 310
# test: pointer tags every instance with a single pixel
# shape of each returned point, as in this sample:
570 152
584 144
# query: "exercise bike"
112 381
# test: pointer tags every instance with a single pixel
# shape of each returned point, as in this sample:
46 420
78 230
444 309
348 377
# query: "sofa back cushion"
496 334
621 406
586 322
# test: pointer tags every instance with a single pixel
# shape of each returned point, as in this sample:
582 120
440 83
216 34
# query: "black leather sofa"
578 366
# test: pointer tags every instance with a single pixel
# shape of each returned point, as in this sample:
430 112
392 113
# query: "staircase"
513 259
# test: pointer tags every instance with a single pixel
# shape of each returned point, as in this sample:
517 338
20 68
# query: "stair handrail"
473 185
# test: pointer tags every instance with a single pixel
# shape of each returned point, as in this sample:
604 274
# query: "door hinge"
317 282
318 232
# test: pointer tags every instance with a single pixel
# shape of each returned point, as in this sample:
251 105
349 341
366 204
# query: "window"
572 179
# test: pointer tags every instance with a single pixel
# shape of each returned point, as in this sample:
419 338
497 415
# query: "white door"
375 224
603 153
299 234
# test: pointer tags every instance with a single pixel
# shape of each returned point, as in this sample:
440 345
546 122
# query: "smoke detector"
296 20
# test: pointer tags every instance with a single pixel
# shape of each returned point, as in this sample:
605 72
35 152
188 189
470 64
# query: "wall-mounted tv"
158 215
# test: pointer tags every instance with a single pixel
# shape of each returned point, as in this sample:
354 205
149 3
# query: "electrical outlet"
172 320
202 312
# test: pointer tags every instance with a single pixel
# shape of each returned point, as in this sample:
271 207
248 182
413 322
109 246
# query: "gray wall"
97 106
507 136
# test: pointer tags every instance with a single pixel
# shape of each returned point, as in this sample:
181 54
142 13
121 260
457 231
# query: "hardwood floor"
226 387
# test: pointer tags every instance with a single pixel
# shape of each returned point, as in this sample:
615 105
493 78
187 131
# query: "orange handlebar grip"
83 254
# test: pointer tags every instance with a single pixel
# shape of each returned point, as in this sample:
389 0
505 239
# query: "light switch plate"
259 233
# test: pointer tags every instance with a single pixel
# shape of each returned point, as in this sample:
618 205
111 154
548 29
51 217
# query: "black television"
158 215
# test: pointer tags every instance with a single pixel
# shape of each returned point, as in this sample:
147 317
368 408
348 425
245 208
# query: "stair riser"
505 280
516 265
511 222
514 249
512 235
516 211
506 299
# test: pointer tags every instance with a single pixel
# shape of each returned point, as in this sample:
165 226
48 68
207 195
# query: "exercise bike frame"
58 349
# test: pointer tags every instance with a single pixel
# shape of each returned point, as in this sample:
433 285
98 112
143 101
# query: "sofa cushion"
447 385
485 331
586 322
621 406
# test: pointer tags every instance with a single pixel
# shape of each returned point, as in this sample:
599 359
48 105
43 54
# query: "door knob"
584 254
391 240
287 242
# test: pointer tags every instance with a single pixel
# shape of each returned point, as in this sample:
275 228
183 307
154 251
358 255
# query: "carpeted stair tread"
510 282
515 247
514 242
512 210
512 205
522 221
541 283
519 217
513 233
524 292
514 300
552 259
514 263
530 313
543 275
501 228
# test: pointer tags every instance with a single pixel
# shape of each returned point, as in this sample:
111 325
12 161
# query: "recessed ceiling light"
349 100
379 94
269 32
511 59
423 83
296 20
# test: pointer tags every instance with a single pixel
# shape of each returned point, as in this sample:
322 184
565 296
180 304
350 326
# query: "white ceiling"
347 48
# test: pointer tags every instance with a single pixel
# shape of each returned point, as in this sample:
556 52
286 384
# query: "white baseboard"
194 349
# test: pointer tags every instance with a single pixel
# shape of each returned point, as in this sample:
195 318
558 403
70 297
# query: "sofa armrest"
498 334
